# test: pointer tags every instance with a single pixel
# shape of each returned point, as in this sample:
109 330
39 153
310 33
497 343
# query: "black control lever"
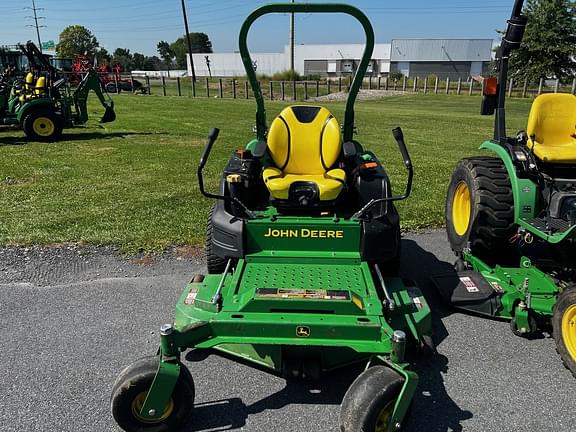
212 136
399 137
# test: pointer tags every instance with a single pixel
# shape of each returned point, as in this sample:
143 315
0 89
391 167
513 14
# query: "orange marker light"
490 86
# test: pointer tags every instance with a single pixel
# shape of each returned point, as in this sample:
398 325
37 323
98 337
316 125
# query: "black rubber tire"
110 87
427 347
48 113
566 300
137 378
491 223
368 395
460 265
533 326
215 263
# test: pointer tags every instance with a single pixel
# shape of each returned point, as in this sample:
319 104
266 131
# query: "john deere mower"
303 247
511 215
43 104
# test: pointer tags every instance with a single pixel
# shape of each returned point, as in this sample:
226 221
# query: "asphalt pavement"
72 318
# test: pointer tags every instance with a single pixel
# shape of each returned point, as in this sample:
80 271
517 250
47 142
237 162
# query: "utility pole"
36 18
292 40
188 40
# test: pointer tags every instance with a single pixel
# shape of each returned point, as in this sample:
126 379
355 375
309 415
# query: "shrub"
287 75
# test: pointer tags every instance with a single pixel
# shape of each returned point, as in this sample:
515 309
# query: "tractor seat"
552 128
304 142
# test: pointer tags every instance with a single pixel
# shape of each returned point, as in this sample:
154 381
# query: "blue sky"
139 25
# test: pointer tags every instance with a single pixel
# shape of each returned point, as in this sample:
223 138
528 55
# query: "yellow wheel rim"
43 126
384 418
569 330
461 208
138 403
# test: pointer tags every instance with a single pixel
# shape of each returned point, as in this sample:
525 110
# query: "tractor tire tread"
562 301
492 222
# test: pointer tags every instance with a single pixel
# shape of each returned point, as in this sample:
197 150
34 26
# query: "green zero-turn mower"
511 216
303 247
43 104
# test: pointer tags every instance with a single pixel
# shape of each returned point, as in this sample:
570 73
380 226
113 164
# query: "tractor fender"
524 190
23 111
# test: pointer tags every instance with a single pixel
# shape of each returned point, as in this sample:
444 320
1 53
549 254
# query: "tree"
200 44
138 61
103 56
166 53
76 40
122 57
549 42
152 63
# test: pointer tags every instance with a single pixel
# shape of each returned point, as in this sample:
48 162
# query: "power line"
36 18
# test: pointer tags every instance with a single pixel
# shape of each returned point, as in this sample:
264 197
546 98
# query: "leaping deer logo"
302 331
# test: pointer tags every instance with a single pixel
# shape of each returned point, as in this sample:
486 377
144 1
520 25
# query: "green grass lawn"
133 182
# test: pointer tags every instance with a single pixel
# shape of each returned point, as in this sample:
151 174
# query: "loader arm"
91 82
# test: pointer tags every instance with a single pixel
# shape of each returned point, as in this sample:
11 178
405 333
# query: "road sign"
48 46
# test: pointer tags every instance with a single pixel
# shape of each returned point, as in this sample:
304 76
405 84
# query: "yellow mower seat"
304 143
552 128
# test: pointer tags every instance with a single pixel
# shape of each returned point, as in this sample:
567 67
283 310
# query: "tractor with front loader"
303 253
511 215
43 104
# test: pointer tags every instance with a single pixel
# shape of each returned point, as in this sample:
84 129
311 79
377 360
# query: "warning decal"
191 297
302 294
469 284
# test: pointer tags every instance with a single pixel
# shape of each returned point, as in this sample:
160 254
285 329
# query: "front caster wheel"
369 402
130 390
522 332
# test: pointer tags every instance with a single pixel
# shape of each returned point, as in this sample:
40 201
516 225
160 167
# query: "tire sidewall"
457 241
138 378
367 396
110 87
566 299
28 124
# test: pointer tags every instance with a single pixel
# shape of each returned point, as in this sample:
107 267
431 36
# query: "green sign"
48 45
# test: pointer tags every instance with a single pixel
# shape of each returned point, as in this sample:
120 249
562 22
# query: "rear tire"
43 124
564 328
215 264
369 402
480 209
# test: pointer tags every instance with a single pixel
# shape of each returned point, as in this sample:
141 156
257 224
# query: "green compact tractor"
303 251
511 216
43 104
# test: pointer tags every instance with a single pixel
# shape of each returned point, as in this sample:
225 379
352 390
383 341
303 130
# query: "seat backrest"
304 140
40 87
552 119
29 82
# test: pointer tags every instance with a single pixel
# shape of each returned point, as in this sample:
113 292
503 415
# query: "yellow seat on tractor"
40 87
552 128
304 142
33 88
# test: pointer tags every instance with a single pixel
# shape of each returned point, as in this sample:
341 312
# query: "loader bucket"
109 115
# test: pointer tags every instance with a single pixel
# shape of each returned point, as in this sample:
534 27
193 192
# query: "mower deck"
268 304
502 292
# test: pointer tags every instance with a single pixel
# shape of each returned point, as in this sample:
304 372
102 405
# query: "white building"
443 57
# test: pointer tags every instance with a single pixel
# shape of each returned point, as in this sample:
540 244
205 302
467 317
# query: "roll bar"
306 8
